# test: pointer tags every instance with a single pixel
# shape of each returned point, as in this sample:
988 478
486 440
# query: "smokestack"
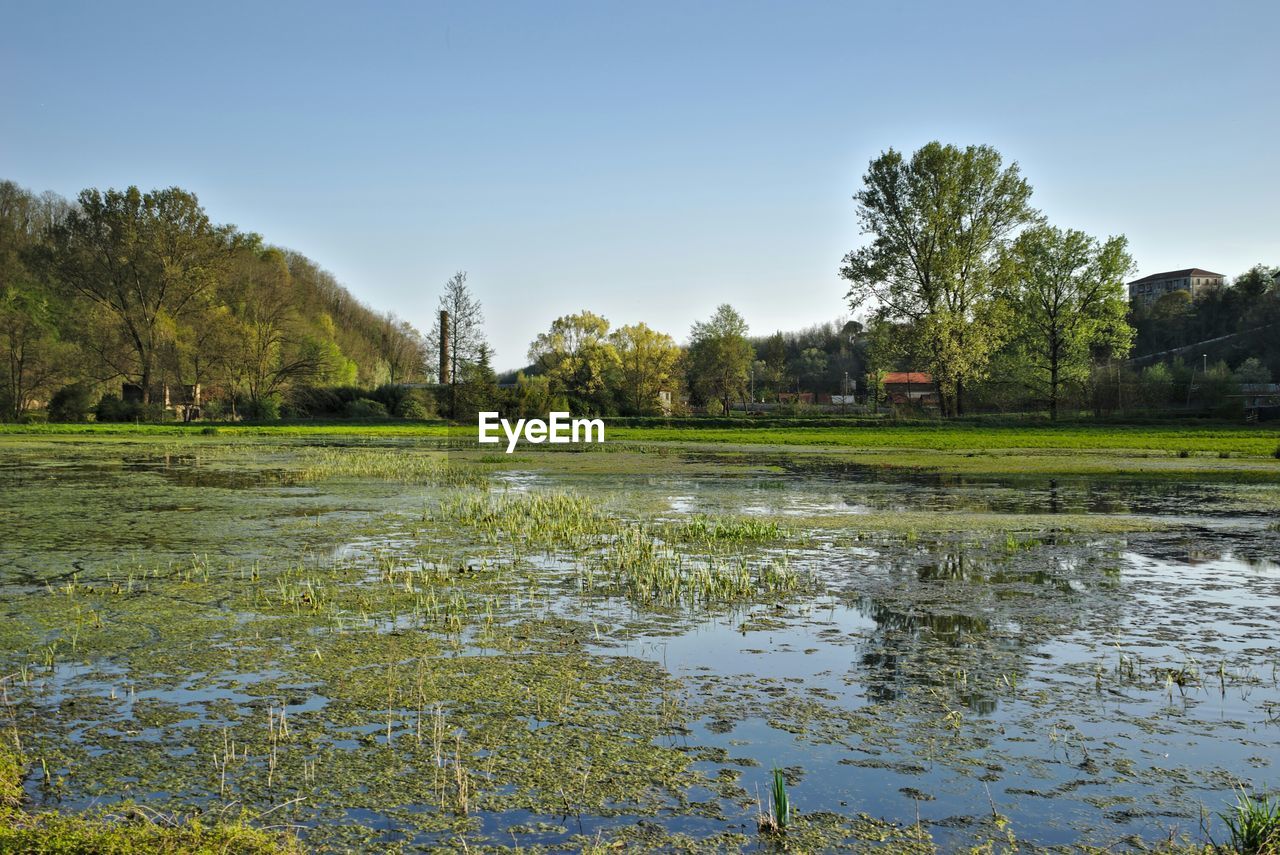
444 347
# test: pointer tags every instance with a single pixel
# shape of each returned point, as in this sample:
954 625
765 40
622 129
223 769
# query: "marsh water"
394 644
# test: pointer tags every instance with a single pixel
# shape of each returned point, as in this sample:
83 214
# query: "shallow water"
161 607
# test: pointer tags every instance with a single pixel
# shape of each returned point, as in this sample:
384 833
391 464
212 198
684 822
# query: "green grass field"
1242 440
1218 453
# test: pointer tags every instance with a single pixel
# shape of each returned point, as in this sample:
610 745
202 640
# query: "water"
1090 685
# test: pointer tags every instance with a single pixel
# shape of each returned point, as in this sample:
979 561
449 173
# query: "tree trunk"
1053 391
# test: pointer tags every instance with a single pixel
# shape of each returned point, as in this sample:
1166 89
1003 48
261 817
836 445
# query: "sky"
647 161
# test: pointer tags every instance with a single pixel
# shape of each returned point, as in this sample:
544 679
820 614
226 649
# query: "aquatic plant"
779 815
1254 825
714 530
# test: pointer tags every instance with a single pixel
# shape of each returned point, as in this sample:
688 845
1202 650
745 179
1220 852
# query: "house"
183 401
1193 280
908 386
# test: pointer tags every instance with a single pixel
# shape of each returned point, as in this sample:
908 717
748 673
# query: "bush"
71 403
111 409
263 410
365 408
412 408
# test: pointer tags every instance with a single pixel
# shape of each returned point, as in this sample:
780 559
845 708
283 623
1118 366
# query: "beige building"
1193 280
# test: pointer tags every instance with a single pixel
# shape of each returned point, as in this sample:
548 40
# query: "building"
183 401
1193 280
910 387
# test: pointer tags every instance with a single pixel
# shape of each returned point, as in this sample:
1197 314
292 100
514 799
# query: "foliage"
1066 290
144 287
465 334
648 363
71 403
938 222
577 357
720 357
1254 825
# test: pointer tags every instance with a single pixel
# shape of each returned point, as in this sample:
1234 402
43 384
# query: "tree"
577 357
146 258
402 348
465 332
477 387
272 349
810 366
647 365
1066 290
720 357
938 222
34 357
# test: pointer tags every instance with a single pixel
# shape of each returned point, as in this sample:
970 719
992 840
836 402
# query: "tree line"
126 286
960 278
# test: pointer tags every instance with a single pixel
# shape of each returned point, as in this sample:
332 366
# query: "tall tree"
1066 290
34 356
274 349
720 357
402 348
647 364
577 357
465 332
938 223
146 258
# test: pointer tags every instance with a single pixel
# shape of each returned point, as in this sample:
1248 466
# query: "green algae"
415 661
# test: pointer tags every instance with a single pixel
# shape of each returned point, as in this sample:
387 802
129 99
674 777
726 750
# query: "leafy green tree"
810 366
477 389
577 357
938 223
1253 370
1066 291
648 362
720 357
271 348
534 398
146 258
35 359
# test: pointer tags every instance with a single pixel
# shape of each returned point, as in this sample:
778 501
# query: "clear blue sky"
645 160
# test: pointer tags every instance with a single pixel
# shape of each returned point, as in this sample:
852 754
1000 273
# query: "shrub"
412 408
71 403
365 408
262 410
111 409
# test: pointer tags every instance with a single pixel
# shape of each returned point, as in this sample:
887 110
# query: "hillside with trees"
122 300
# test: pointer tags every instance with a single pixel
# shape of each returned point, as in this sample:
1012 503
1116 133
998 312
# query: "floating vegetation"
649 571
586 651
385 464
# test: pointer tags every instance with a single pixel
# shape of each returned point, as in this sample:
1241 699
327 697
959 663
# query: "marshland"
338 640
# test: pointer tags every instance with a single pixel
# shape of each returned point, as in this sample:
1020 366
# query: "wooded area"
142 288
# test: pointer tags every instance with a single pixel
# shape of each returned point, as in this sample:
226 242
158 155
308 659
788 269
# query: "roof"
1177 274
912 378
